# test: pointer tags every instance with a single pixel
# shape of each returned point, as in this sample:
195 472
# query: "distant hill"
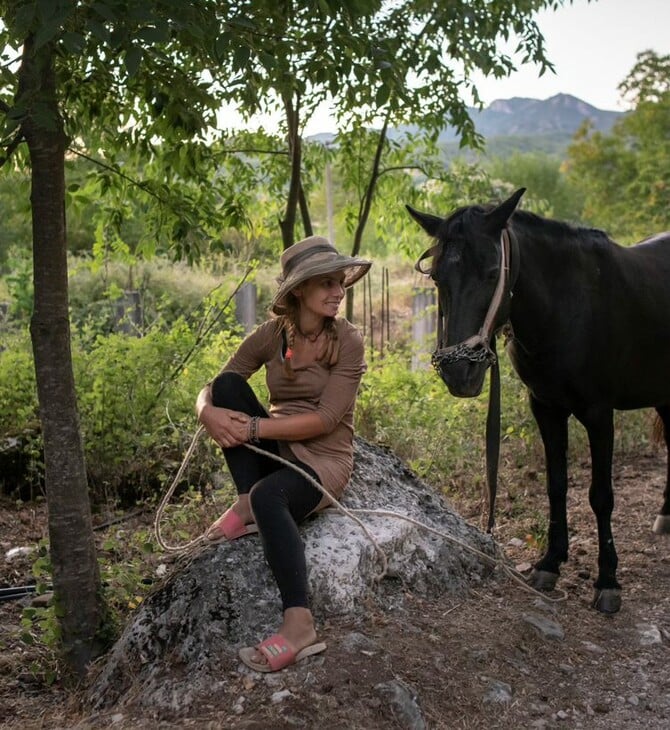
518 117
521 125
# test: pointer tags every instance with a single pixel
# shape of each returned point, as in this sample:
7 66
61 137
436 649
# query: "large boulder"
184 638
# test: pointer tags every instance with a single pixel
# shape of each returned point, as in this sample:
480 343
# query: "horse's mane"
555 233
543 227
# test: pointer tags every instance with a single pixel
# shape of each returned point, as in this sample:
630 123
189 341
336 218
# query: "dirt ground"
460 661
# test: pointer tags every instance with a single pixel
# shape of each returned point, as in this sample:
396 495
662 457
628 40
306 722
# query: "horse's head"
470 267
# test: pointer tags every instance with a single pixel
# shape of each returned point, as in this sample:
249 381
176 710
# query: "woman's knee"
264 497
225 389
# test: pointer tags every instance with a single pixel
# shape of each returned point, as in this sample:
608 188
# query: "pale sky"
593 46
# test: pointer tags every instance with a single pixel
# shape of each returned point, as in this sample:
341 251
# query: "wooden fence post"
245 305
424 322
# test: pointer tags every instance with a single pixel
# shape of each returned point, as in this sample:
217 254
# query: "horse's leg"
553 425
599 424
662 522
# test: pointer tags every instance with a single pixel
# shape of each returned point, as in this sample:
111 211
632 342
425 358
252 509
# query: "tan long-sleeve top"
328 390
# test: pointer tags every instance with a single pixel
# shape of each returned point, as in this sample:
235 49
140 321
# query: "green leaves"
132 60
624 176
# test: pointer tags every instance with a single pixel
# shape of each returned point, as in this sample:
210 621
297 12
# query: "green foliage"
39 624
18 397
549 192
414 415
624 177
19 282
135 399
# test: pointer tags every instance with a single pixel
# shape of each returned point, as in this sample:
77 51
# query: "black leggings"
280 498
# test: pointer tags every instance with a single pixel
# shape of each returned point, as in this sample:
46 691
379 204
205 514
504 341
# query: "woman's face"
321 295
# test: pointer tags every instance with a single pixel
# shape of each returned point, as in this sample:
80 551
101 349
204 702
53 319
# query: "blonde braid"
289 326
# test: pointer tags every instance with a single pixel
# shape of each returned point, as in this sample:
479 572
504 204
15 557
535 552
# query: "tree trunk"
364 210
76 577
287 224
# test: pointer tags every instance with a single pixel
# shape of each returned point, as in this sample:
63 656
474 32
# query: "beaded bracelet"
253 430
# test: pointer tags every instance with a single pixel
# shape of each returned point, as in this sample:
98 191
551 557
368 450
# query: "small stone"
650 634
633 700
238 705
516 542
540 708
594 648
499 692
280 696
548 629
18 552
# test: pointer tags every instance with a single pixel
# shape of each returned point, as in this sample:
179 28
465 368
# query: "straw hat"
314 256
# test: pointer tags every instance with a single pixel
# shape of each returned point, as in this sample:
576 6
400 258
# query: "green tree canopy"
625 175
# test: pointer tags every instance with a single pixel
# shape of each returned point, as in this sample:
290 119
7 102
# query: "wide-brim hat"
314 256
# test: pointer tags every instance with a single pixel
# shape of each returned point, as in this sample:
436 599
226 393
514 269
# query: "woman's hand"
228 428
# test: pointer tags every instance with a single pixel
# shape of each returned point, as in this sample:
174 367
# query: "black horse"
590 332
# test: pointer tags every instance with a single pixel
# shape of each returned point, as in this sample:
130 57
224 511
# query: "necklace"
312 336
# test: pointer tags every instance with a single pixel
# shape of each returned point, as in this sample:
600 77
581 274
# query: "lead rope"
497 562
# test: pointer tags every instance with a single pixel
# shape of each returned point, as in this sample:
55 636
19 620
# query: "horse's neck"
542 268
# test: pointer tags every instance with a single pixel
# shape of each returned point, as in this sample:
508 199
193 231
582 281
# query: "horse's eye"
492 274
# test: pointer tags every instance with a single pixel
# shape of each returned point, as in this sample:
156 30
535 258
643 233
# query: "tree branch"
251 150
137 183
11 147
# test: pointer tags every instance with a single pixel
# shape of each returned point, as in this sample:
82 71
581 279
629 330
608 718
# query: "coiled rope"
499 561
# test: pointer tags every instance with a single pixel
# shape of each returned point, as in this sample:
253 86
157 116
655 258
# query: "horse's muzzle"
464 379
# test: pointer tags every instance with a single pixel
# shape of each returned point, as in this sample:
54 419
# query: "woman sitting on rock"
314 362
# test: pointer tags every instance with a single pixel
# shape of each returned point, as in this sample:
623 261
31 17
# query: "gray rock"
498 692
403 702
547 628
650 634
223 596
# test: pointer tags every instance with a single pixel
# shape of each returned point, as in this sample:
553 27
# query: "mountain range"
520 125
519 117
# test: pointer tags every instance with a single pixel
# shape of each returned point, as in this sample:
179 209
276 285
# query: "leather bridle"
480 347
476 347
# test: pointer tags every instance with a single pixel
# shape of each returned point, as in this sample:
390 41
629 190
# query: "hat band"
295 260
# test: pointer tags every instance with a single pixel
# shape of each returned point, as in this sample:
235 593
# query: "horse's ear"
498 217
429 223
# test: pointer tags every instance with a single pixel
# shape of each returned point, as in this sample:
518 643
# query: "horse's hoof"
542 580
662 525
607 600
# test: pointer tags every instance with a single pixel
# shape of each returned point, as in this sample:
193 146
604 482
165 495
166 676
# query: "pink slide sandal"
229 527
278 652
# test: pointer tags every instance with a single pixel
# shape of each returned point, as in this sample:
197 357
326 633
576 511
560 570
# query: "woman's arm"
227 427
231 428
299 427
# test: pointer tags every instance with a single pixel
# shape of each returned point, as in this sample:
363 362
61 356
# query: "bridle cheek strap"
476 347
479 347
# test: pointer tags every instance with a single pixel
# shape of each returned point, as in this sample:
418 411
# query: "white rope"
497 562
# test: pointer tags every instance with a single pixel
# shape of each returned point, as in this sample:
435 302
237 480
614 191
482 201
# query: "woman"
314 362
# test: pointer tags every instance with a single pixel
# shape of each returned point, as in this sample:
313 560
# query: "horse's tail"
658 431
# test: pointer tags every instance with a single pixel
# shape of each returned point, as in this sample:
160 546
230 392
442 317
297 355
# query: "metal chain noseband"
475 348
464 351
